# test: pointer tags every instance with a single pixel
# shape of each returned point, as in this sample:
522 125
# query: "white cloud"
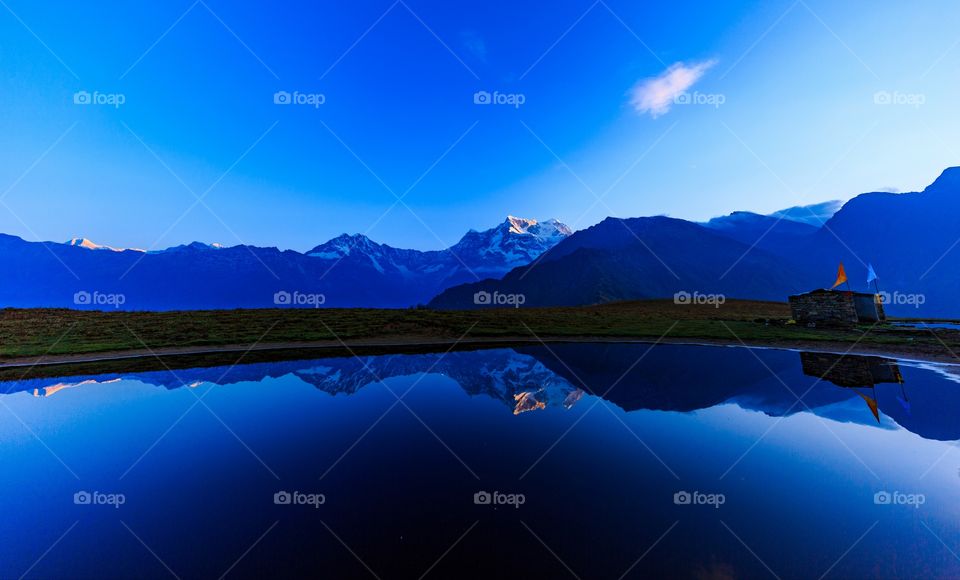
655 95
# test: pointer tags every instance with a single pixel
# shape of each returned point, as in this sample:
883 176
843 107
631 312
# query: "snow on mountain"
196 246
516 241
90 245
545 230
344 245
520 381
349 271
361 251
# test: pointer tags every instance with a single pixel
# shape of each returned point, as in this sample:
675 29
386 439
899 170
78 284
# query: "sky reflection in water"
606 442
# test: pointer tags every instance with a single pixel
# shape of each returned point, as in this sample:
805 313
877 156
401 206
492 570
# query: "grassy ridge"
57 332
34 332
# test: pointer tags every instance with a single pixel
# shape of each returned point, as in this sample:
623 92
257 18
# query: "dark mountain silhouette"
625 259
762 230
911 239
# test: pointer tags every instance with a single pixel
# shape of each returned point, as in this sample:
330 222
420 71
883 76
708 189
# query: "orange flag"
841 277
872 403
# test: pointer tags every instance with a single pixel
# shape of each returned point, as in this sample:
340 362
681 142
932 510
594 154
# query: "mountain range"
347 271
909 238
534 378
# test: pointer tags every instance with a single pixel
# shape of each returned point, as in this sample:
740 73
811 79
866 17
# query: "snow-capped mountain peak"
90 245
551 228
192 246
515 242
519 225
554 228
344 245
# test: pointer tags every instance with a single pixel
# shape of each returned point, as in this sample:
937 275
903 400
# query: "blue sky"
785 111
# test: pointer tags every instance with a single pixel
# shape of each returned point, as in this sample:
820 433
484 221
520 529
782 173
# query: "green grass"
33 332
53 332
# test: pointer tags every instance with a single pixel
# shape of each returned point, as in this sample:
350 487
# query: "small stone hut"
836 308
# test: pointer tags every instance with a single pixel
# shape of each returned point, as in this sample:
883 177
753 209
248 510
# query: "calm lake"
577 460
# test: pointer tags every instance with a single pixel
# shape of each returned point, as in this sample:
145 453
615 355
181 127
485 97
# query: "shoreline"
328 349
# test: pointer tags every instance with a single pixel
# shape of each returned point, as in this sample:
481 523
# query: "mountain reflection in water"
599 439
667 378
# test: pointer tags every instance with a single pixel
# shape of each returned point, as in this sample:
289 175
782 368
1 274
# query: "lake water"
925 325
586 460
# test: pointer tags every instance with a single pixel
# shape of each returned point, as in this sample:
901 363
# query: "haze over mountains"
910 238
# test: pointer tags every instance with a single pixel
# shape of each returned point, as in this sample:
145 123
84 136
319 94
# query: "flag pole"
872 277
878 297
